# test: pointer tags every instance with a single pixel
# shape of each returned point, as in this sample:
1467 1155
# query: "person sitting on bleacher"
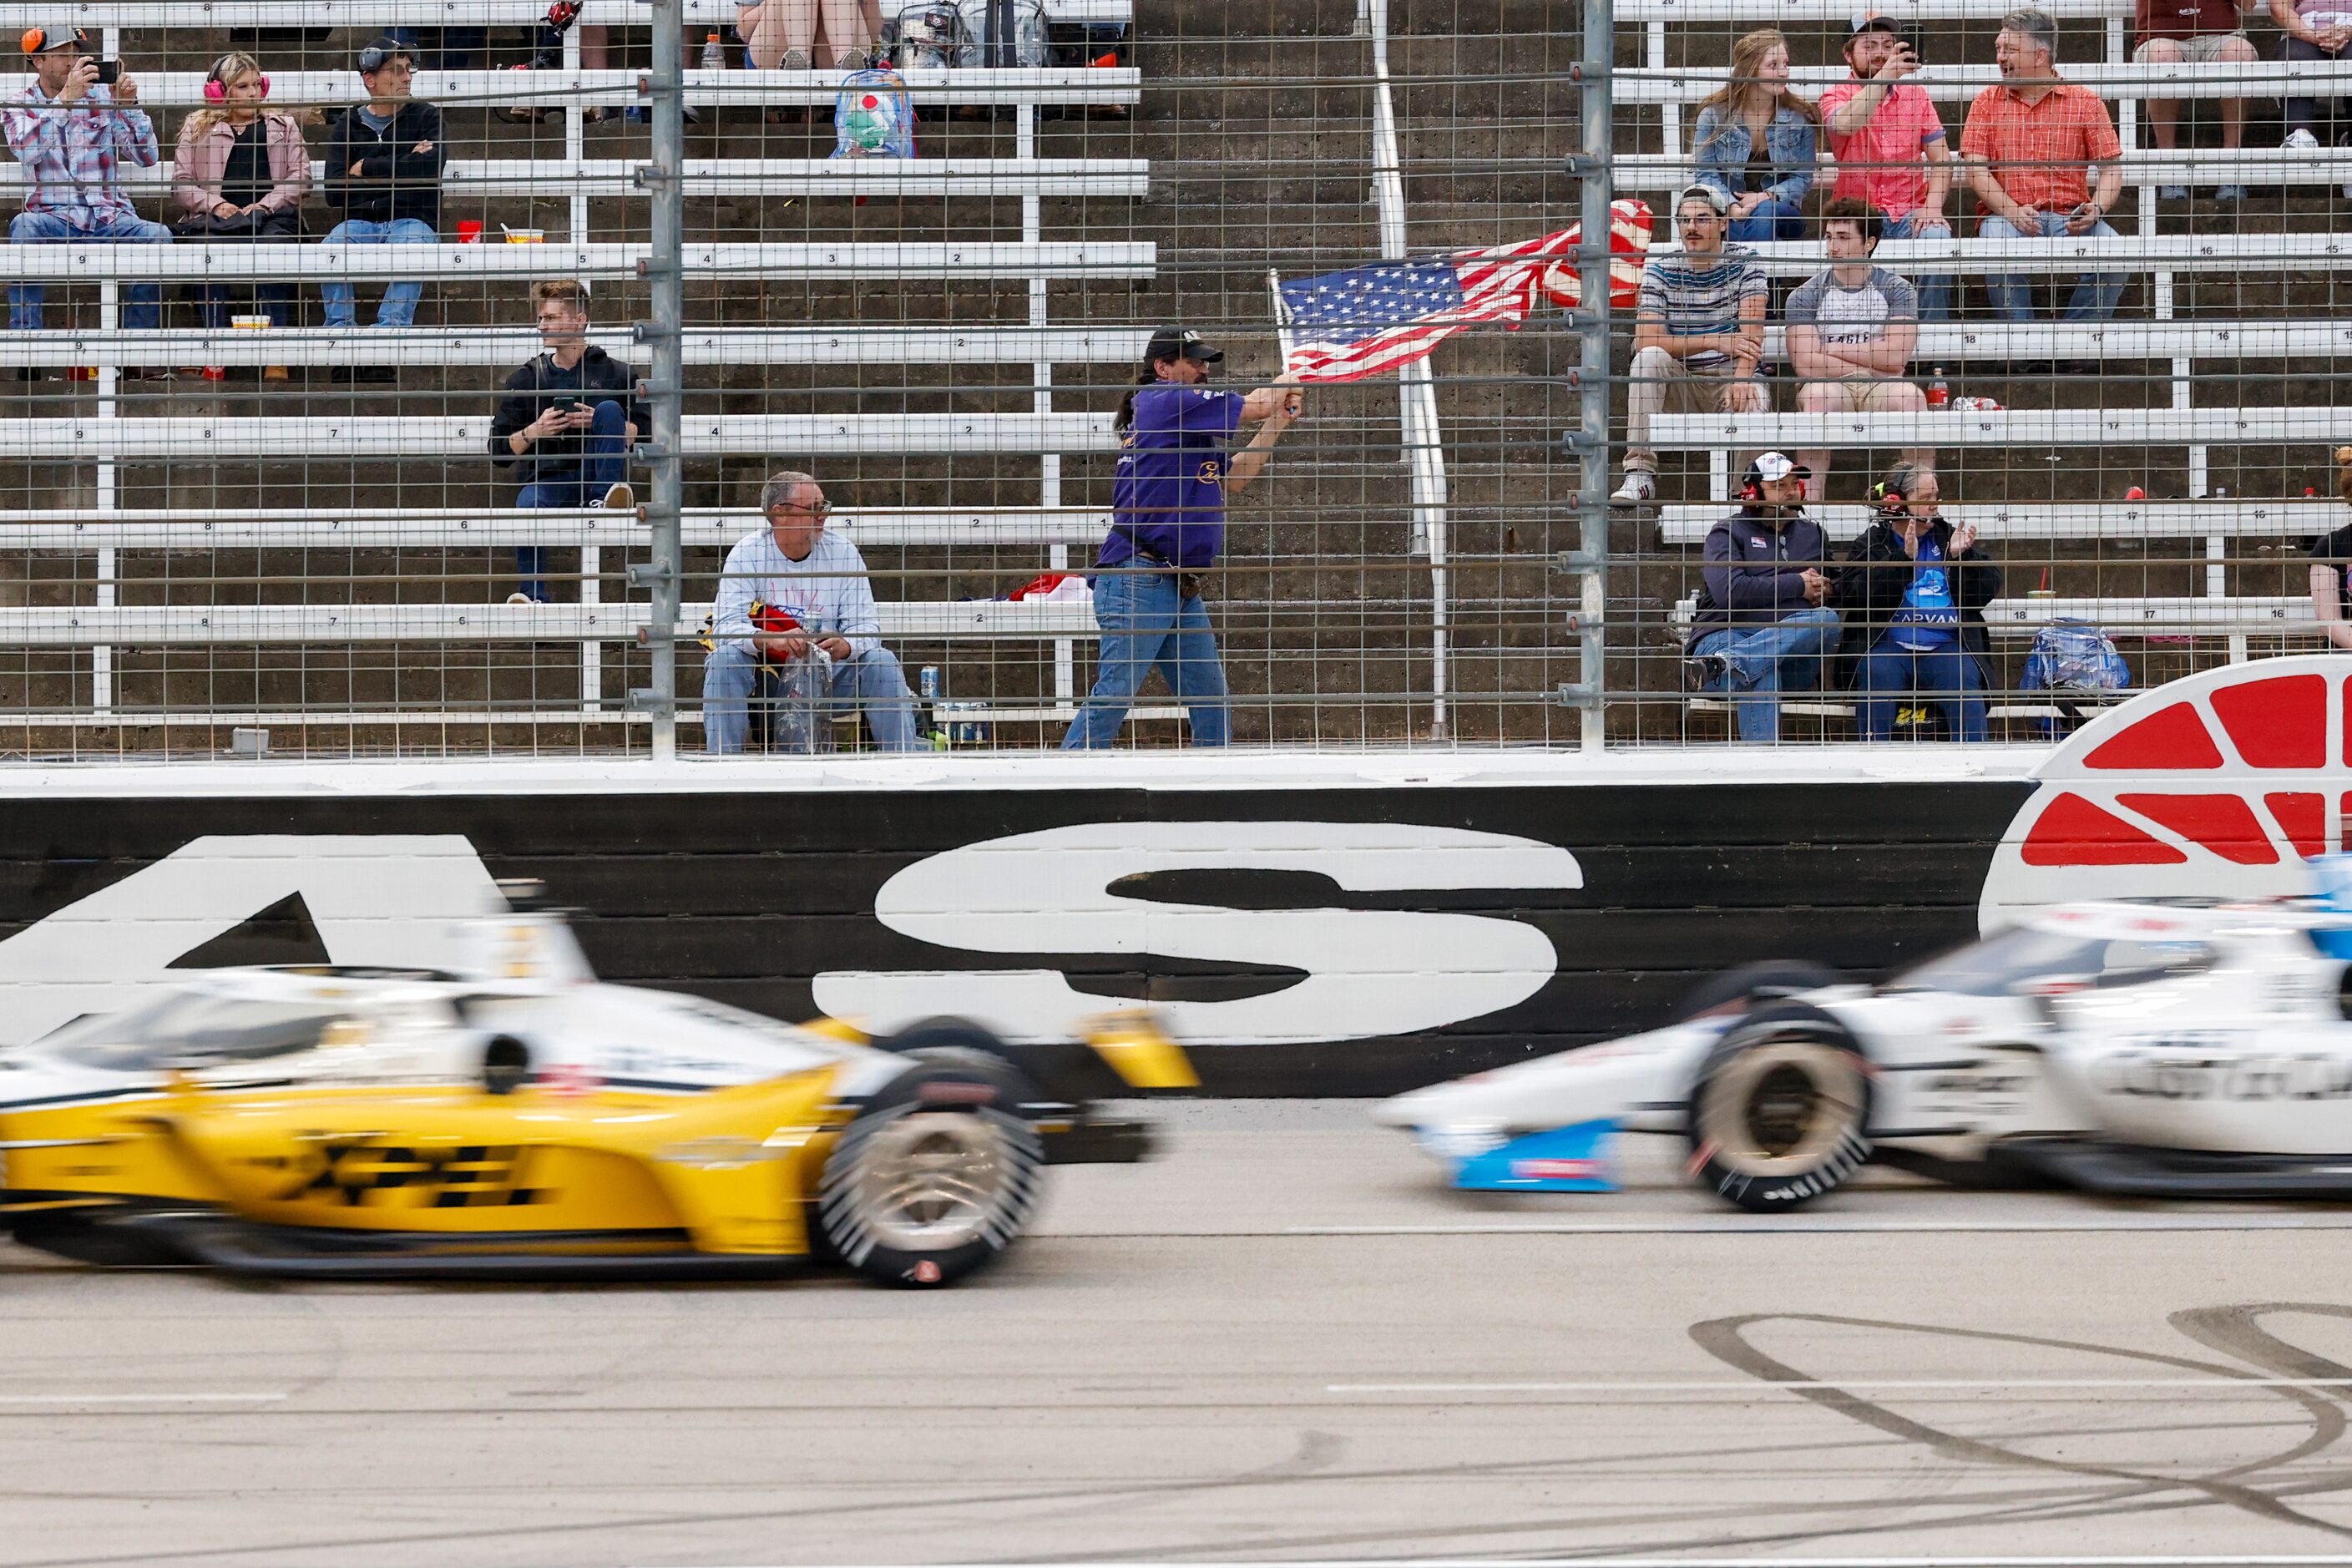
1699 331
383 176
1757 143
1913 594
2331 565
1890 145
1763 619
816 581
2201 32
1851 330
2315 30
566 423
240 174
2029 139
781 34
71 134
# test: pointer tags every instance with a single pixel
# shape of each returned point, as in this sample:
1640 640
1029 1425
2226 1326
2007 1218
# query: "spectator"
383 175
2331 565
1168 520
1852 329
241 174
781 34
2028 140
819 580
567 450
1763 619
2315 30
2202 32
70 132
1890 145
1913 594
1757 142
1698 331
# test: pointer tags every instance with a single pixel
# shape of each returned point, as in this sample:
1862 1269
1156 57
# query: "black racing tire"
1736 990
933 1181
1780 1113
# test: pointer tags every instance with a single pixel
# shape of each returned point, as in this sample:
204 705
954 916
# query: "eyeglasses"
821 508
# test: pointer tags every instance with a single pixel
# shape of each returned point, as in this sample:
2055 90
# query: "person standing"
240 174
384 163
2197 32
72 134
1763 619
566 423
1757 143
1912 595
1890 145
1168 523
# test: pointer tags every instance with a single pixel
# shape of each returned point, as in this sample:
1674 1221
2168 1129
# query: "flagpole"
1282 336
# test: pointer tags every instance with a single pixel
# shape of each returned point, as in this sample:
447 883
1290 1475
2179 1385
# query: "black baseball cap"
1181 342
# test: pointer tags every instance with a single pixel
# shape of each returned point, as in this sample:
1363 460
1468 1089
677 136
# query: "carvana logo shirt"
1167 493
1928 620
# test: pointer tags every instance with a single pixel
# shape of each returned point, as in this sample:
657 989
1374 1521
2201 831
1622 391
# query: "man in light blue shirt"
816 605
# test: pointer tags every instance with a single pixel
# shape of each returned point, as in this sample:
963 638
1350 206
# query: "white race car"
2150 1049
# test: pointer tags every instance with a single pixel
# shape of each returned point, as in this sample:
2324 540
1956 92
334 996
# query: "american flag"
1345 326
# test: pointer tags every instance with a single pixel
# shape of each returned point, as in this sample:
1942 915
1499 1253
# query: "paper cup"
469 231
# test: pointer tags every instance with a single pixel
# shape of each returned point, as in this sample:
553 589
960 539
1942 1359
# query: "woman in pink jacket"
241 174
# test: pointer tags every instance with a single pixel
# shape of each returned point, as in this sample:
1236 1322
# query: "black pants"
2302 112
215 301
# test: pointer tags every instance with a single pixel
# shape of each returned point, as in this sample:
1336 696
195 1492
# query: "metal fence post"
1598 109
665 277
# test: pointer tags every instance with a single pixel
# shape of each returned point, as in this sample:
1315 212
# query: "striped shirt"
70 152
2038 151
1698 296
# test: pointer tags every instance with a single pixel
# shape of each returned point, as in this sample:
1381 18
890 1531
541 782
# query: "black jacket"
393 182
1878 573
597 377
1754 573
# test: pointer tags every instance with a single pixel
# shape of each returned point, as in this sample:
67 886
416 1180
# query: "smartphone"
107 71
1909 37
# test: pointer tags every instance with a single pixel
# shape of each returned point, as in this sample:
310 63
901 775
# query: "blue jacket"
1791 142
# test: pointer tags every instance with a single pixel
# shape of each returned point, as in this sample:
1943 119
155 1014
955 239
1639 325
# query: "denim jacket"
1791 141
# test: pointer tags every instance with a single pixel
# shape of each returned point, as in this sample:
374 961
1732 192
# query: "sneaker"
793 61
1705 672
1641 487
2230 193
2172 193
620 498
517 598
2300 140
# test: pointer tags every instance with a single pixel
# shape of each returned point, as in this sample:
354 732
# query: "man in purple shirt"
71 133
1168 521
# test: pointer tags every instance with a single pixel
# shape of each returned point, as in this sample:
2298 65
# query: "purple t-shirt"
1167 493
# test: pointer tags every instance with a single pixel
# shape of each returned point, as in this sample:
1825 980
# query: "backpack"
1006 33
929 36
2074 655
873 117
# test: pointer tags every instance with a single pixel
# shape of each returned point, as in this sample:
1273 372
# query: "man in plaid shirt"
71 133
2028 141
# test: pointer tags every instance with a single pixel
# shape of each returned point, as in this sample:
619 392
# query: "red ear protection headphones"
232 66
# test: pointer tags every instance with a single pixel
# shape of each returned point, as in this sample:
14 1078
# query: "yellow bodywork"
1140 1052
729 1168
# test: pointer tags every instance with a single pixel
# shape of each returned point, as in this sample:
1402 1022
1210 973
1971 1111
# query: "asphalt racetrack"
1285 1340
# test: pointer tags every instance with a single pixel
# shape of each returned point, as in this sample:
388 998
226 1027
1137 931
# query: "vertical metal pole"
665 274
1593 488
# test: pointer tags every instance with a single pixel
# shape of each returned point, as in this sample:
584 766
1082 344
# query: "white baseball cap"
1773 466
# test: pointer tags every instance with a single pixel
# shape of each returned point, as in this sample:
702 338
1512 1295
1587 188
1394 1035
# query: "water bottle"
714 56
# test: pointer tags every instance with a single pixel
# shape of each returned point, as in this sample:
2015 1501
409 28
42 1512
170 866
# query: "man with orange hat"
71 133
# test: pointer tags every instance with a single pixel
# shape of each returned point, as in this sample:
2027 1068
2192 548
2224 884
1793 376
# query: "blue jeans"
1935 290
399 307
1888 668
731 677
2095 295
1144 626
1772 219
1762 662
603 463
142 309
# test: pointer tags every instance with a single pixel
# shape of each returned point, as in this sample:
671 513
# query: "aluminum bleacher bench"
2309 425
143 14
1686 525
453 528
559 86
902 177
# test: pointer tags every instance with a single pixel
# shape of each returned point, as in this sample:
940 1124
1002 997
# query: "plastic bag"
2074 655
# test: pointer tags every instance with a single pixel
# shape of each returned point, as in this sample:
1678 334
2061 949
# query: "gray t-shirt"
1842 315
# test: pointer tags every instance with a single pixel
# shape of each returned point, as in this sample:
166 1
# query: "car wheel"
1780 1114
1736 990
926 1189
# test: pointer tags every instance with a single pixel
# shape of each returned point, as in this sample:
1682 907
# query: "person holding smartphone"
72 130
2028 141
566 423
1890 144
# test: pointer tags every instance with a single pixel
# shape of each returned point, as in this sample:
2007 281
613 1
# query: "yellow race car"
522 1119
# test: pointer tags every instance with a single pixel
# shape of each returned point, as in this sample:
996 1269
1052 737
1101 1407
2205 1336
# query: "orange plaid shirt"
2038 152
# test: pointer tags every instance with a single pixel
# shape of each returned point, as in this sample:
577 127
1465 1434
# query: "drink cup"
249 323
469 231
526 236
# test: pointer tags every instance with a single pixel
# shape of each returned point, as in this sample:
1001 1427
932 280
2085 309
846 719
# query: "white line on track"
1702 1385
2236 1560
138 1398
1729 1225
